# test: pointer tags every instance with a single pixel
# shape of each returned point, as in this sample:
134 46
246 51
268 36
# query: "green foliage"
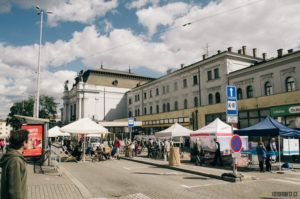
25 108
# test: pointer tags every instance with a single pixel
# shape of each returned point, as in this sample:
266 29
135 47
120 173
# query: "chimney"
244 50
204 56
229 49
240 51
254 52
264 56
182 66
169 71
279 52
290 50
129 70
219 52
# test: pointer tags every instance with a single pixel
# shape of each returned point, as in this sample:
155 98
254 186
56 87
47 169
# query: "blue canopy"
268 127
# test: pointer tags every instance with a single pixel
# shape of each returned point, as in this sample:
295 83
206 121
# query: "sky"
149 36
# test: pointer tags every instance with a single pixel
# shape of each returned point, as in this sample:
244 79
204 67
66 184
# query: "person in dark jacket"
261 154
268 159
14 174
217 153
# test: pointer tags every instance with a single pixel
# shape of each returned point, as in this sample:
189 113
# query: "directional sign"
231 92
231 107
236 143
130 122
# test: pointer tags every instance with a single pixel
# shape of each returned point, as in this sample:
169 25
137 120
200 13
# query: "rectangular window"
216 72
150 93
175 86
157 92
164 90
129 101
168 89
184 83
195 80
145 95
209 77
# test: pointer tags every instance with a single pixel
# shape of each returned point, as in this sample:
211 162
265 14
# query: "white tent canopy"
215 128
55 132
84 126
176 130
93 135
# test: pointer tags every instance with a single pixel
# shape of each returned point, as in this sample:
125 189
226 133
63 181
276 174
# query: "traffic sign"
231 92
231 107
236 143
232 119
130 122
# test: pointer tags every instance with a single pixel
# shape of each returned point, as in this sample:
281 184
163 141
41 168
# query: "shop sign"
285 110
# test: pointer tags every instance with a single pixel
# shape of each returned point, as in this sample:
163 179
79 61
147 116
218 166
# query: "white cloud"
141 3
166 15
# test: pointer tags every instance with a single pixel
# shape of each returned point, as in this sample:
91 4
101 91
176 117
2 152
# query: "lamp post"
37 94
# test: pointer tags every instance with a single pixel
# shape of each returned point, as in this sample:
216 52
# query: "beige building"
4 130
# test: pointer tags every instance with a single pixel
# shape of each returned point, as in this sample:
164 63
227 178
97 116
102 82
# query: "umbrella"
84 126
55 132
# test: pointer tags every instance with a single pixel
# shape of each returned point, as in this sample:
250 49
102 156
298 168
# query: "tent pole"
279 153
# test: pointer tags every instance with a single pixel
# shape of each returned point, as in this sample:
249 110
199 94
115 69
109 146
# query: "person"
268 159
136 147
198 151
117 145
2 144
149 147
217 153
14 174
273 149
261 154
166 149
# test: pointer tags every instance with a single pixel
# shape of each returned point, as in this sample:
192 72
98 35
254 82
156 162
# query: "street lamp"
37 94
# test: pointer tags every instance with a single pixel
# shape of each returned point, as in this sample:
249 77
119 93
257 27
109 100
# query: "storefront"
288 115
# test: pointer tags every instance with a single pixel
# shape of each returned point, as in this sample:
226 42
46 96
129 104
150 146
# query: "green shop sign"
285 110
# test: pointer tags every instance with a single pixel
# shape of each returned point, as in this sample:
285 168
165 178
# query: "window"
249 92
210 99
168 89
216 72
185 104
218 98
145 111
195 80
138 97
157 108
129 101
175 86
239 93
164 90
184 83
168 107
195 101
150 93
268 89
157 92
209 77
150 109
290 84
176 106
138 112
129 114
145 95
164 107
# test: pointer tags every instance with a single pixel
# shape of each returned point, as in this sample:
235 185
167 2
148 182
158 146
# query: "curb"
176 168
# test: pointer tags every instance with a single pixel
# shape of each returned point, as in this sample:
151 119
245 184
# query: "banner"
290 147
35 140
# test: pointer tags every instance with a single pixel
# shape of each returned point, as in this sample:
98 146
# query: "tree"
25 108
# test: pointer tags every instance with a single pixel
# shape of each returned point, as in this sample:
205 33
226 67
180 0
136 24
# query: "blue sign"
236 143
231 107
130 122
231 92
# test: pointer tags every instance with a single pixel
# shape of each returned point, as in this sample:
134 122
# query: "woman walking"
261 154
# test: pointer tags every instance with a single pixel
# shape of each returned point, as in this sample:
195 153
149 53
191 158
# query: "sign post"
236 146
130 125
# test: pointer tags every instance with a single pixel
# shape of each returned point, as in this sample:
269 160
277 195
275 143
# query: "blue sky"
146 35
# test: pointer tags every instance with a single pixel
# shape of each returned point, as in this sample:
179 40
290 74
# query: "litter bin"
174 159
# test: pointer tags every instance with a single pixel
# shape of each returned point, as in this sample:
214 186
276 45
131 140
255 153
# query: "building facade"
99 94
4 129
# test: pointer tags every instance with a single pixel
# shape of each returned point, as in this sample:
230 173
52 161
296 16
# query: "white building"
4 130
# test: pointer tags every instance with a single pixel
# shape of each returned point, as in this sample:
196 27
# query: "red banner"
34 141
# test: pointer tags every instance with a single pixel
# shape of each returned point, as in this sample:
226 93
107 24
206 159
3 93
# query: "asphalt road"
125 179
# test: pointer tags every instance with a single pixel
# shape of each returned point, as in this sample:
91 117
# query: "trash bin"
174 159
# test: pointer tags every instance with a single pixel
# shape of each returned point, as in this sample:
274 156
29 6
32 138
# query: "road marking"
286 181
293 179
169 173
203 185
130 168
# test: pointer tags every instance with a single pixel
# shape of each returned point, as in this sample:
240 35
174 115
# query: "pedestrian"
261 154
198 151
14 174
117 145
2 144
166 150
273 149
217 153
268 158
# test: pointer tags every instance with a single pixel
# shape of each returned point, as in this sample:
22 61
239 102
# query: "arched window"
195 101
239 93
290 84
150 109
268 89
249 91
176 106
185 104
145 111
210 99
164 107
168 107
218 98
157 108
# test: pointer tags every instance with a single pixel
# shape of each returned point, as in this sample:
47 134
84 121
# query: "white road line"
286 181
130 168
203 185
169 173
293 179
